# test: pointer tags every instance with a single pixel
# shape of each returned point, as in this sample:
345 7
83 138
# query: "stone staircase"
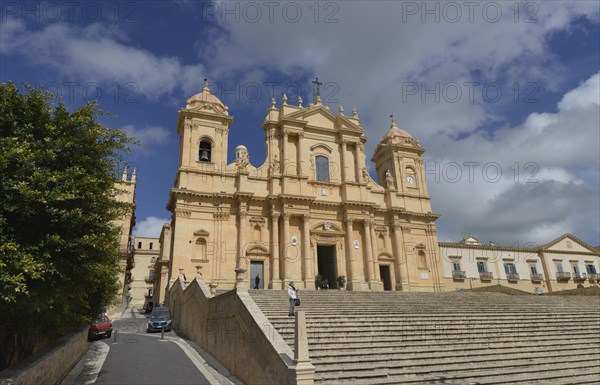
456 338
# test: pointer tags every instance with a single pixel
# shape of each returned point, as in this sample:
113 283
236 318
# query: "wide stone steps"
424 362
333 357
462 371
405 338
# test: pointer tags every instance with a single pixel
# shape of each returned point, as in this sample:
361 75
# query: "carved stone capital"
183 213
286 216
306 217
242 214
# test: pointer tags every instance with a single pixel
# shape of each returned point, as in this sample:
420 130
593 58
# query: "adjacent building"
125 192
565 263
142 274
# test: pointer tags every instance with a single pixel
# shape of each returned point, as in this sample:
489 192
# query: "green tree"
58 244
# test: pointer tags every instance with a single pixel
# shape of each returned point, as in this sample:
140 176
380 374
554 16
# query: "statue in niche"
274 167
389 180
243 161
365 175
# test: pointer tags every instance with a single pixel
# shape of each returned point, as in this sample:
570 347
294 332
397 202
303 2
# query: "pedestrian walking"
256 282
293 294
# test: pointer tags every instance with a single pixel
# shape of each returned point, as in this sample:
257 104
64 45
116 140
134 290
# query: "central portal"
327 264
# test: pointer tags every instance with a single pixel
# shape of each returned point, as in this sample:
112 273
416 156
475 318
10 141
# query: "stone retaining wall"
51 364
232 328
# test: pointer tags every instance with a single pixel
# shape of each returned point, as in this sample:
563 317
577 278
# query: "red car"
102 326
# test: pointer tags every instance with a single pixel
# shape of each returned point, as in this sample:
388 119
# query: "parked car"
100 327
159 318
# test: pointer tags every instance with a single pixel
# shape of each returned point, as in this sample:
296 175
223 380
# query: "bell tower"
203 128
400 168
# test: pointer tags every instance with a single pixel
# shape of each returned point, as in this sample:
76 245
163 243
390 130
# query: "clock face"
410 179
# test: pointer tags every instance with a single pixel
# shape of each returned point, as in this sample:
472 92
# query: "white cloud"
150 227
100 53
544 195
148 135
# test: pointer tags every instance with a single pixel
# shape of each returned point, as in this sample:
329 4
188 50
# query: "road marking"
196 359
87 370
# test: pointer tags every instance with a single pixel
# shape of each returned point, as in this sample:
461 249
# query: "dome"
203 98
395 135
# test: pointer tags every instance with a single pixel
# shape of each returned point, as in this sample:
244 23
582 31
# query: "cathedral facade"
310 209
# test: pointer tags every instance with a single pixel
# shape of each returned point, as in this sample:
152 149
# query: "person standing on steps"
256 281
292 293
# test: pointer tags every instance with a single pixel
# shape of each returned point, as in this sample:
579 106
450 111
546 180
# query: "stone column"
344 160
284 160
285 242
357 166
398 253
306 250
275 244
374 246
360 158
300 154
241 239
349 248
368 250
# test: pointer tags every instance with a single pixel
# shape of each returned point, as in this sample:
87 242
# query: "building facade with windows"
142 275
161 266
310 208
565 263
125 192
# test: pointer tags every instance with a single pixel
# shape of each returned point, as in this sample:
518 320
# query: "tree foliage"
58 242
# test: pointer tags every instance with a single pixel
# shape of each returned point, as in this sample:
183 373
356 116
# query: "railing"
579 277
563 276
593 277
486 275
150 279
458 274
512 276
536 277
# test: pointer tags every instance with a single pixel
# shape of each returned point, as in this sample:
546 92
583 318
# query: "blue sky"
488 88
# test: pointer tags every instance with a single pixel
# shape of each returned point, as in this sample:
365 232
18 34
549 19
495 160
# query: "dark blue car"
159 318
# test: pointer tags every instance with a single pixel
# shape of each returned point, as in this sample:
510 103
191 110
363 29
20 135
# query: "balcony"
150 279
579 277
593 277
562 276
536 277
512 276
458 274
486 275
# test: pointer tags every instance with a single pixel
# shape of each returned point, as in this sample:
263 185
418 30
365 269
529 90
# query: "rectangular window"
322 165
481 267
139 245
575 269
559 267
150 245
510 268
456 265
591 269
533 268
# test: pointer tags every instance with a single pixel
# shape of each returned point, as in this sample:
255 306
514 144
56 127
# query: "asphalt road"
132 357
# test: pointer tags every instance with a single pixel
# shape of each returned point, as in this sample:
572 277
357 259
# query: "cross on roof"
317 88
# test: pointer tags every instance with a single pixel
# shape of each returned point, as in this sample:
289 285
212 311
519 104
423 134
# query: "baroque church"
310 209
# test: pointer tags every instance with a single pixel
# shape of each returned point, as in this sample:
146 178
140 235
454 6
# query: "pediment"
257 249
208 107
201 233
317 116
567 243
327 228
